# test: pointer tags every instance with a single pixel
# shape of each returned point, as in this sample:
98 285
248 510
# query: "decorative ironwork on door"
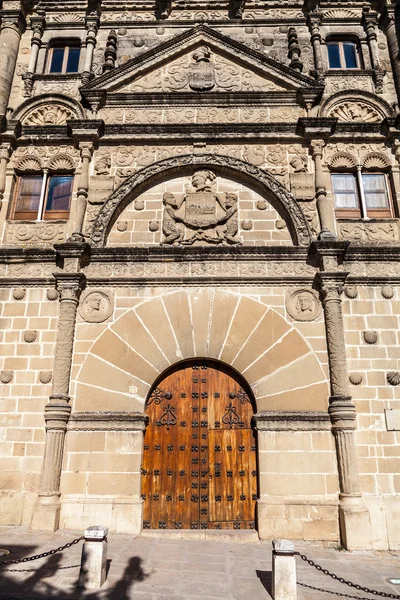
199 463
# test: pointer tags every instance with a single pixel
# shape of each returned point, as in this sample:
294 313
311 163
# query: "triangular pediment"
200 60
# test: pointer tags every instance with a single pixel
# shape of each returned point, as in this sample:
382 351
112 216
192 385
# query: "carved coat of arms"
201 74
202 216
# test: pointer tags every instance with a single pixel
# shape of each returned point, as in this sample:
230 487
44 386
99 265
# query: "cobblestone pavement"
171 569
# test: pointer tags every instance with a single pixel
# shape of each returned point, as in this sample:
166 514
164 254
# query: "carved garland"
123 195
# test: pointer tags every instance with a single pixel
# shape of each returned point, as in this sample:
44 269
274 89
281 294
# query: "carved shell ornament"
6 376
96 306
355 111
342 160
303 305
371 337
376 160
51 114
387 292
29 164
61 162
393 378
30 336
19 293
355 378
351 291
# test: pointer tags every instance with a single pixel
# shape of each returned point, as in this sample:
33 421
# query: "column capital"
13 19
92 24
38 24
70 285
331 284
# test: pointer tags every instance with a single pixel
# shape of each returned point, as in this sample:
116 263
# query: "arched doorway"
199 461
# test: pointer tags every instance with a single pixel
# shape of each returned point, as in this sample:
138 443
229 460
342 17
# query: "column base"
355 523
46 514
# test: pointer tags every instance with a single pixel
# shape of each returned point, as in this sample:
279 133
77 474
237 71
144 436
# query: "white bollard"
284 585
94 558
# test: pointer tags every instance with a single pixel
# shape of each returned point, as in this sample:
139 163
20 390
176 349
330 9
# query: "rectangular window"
40 198
376 195
343 55
347 195
64 59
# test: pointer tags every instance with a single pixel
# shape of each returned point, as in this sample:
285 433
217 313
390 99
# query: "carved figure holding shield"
202 215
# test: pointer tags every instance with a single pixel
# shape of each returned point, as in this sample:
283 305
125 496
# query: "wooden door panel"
199 460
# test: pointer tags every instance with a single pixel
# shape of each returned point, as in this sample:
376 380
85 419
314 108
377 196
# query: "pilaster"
354 516
69 284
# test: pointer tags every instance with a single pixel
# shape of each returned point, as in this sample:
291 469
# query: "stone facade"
203 140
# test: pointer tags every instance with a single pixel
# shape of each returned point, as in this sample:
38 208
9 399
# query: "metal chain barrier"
34 570
356 586
43 555
317 589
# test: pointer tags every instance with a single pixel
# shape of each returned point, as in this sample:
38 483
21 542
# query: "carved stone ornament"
96 307
51 114
153 226
281 198
351 291
302 186
19 293
342 160
262 205
30 336
201 74
303 305
52 294
393 378
387 292
45 376
201 216
246 225
122 226
280 224
351 111
355 378
371 337
6 376
376 161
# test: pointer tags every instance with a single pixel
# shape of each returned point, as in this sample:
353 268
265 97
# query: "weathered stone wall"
372 339
28 333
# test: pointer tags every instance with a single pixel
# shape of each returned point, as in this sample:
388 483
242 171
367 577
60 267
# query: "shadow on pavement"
266 579
34 583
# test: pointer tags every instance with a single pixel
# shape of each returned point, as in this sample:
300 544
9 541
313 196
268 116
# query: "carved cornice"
292 421
107 421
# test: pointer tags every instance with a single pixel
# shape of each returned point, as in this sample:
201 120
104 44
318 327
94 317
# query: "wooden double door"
199 462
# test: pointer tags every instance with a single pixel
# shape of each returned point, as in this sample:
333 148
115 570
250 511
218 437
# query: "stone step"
249 536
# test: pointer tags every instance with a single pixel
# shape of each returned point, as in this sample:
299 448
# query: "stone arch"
55 107
350 106
281 369
260 180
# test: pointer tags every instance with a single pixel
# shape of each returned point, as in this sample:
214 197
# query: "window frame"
41 214
358 213
343 67
66 47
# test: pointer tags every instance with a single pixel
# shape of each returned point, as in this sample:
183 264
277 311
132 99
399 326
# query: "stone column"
5 153
92 26
12 26
86 149
325 208
46 514
389 24
86 137
314 22
38 25
354 517
370 24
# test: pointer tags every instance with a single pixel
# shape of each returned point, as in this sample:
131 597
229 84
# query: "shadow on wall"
52 580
